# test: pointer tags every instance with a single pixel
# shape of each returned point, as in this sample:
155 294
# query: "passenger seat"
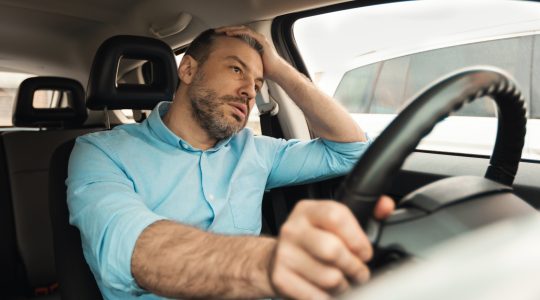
27 156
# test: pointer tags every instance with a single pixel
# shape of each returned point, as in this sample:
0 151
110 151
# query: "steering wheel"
451 206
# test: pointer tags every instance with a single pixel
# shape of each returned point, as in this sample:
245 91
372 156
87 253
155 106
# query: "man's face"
223 89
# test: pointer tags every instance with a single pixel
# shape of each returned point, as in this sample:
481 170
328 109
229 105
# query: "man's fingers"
228 28
321 247
325 277
340 221
241 30
235 30
329 250
384 207
290 285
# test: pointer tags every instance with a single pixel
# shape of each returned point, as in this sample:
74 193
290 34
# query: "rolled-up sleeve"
108 212
297 162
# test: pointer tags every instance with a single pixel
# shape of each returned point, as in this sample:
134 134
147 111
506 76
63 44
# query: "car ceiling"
56 37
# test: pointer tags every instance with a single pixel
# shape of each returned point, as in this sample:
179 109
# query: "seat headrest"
26 115
103 89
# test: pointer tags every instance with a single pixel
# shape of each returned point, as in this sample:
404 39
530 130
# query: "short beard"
207 109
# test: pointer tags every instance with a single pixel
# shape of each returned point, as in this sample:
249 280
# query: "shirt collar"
155 122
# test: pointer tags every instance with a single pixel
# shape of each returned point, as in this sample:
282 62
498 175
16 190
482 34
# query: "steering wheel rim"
375 169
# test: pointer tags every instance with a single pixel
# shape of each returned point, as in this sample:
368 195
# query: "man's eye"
236 69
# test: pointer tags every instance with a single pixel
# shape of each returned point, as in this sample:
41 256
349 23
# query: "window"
9 84
373 60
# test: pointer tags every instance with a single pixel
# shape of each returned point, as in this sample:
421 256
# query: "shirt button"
211 197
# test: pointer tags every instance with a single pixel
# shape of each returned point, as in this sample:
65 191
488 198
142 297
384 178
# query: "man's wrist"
279 70
270 269
265 265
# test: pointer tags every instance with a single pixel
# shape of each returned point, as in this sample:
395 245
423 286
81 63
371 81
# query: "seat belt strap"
268 119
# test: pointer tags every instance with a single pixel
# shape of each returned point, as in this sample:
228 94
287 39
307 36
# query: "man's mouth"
239 109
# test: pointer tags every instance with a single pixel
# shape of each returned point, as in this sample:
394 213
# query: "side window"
512 55
385 87
374 69
535 80
355 90
389 90
9 84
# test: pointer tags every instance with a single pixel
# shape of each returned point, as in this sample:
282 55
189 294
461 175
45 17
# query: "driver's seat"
74 276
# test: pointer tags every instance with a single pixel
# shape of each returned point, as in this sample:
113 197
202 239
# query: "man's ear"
187 69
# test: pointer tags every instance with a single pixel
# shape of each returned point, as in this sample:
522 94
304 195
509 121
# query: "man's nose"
248 89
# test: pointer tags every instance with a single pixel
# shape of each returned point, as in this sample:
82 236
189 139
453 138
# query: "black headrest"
103 90
26 115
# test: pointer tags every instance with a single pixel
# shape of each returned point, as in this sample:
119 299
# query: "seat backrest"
27 155
8 246
75 278
74 275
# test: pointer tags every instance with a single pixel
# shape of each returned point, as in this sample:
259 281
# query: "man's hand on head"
321 250
271 60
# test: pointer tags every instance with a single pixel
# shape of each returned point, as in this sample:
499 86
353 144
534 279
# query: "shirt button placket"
204 168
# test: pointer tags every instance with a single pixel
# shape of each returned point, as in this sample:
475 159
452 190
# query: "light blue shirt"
122 180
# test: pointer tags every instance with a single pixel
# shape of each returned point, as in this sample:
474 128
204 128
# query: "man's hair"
201 46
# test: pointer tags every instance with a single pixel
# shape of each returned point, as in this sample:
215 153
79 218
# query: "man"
171 206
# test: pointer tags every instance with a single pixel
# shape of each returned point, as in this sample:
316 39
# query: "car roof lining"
55 37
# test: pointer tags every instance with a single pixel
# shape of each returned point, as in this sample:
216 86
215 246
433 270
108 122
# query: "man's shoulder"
247 135
118 135
261 144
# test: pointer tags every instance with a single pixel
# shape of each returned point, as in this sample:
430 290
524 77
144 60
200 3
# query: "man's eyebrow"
245 66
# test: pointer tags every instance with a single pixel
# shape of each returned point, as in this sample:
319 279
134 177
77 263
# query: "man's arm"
178 261
326 117
320 251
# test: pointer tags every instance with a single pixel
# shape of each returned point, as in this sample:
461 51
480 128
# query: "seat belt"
277 210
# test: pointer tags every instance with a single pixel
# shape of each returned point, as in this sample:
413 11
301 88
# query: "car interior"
100 64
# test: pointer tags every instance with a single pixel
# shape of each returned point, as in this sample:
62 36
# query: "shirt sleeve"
298 162
108 212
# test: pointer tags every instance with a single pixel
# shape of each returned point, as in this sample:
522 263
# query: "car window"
378 75
9 84
535 79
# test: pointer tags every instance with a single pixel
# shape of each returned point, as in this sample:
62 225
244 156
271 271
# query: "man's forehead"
225 47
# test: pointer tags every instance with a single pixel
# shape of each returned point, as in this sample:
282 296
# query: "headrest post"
107 120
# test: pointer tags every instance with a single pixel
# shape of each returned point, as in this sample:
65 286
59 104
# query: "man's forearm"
326 117
179 261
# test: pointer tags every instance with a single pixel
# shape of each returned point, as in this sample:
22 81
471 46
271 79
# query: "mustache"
229 98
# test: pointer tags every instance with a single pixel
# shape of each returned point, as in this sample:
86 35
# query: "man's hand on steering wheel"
322 249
